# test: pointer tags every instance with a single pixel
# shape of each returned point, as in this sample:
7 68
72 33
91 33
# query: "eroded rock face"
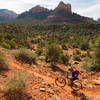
62 13
63 6
38 9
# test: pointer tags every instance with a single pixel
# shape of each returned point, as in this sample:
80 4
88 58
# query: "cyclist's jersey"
75 73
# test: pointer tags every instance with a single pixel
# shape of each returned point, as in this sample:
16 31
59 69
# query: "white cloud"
17 6
92 11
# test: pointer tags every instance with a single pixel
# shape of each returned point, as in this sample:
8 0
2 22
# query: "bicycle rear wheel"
61 82
77 85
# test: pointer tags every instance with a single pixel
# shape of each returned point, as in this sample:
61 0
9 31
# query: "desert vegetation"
46 49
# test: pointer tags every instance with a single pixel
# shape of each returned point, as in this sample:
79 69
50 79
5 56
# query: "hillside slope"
7 15
41 85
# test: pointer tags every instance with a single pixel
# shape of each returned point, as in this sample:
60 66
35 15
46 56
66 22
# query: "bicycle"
62 82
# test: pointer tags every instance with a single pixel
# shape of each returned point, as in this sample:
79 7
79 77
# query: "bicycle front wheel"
61 82
77 85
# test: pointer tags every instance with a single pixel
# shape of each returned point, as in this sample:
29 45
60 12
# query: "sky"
89 8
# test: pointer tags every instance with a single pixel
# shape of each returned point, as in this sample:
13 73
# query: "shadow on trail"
81 95
57 69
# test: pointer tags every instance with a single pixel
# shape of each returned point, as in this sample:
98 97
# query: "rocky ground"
41 84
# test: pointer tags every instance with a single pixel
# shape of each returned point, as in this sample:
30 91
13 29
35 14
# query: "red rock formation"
63 6
38 9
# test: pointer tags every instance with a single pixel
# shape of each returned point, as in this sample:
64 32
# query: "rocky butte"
63 6
62 13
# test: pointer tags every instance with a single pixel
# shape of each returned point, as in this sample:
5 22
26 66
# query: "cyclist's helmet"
70 69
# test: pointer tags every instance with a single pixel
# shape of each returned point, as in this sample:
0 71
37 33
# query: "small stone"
97 82
42 89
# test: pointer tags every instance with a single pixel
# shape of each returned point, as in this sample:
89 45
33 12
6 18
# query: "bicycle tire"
61 82
75 87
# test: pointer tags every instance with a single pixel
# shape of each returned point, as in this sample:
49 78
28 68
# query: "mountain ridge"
62 13
7 15
98 20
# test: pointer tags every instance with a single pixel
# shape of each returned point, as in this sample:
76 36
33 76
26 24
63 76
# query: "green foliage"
65 58
53 53
93 63
25 55
3 65
89 64
15 85
88 54
64 46
23 42
11 43
42 58
84 45
5 45
39 51
77 55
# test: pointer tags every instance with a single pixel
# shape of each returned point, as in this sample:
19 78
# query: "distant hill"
7 15
38 12
62 13
98 20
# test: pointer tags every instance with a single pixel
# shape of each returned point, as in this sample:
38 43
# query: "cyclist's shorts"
74 78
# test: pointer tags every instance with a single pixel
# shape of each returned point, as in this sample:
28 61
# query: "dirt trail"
46 78
87 92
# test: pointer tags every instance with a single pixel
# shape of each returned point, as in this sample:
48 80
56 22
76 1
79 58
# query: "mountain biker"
74 73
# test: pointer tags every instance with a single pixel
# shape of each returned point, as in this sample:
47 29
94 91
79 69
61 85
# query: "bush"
53 53
25 55
11 43
64 47
65 59
39 50
3 65
93 62
5 45
77 55
90 65
23 42
42 58
88 54
75 45
15 85
84 45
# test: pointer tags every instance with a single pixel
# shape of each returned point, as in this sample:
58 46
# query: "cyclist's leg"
71 81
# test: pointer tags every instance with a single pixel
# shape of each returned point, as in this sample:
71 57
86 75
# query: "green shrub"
11 43
77 55
21 46
25 55
23 42
15 85
75 45
5 45
89 65
53 53
65 59
84 45
93 62
88 54
42 58
3 65
64 47
41 44
39 51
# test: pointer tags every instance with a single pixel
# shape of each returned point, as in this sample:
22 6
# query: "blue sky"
89 8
